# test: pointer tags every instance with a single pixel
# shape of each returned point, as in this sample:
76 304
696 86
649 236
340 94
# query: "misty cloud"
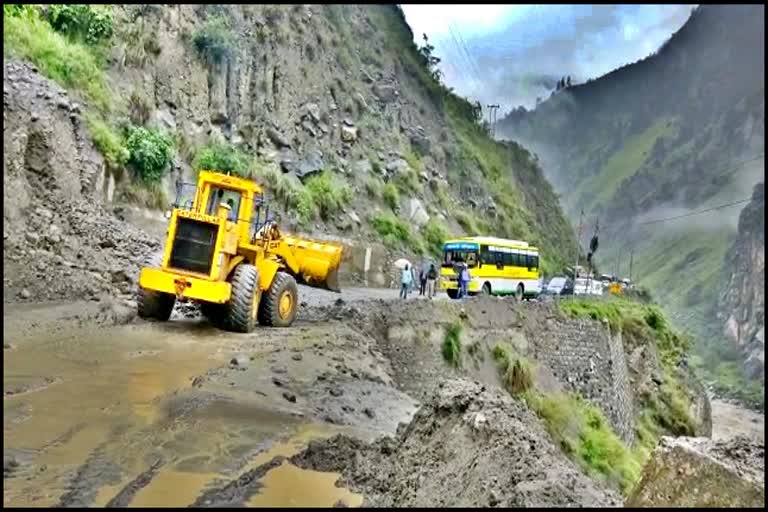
529 48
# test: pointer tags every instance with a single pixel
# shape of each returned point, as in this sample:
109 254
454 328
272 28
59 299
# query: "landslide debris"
59 242
469 445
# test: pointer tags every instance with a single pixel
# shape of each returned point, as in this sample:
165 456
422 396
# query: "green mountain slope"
680 131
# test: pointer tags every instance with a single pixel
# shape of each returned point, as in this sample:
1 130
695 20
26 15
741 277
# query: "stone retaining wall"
586 358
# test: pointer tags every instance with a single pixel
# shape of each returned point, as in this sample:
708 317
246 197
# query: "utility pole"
492 111
578 244
589 270
631 253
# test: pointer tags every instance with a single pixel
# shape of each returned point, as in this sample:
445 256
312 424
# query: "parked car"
567 288
584 286
580 286
555 286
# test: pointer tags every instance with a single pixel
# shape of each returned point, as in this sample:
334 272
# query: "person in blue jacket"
406 280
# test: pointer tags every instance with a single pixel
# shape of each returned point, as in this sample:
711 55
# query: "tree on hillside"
477 111
429 59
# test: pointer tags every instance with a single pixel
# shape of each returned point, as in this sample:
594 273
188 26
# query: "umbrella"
402 262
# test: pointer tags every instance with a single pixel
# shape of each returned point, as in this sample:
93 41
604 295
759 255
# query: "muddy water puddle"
86 414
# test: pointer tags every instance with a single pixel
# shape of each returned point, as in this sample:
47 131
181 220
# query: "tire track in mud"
97 470
126 494
237 492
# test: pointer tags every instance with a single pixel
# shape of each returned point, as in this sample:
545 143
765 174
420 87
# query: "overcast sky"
510 54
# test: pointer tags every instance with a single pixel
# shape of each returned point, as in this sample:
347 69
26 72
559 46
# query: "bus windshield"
466 254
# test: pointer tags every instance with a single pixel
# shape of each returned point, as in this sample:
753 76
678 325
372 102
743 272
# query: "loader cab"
232 198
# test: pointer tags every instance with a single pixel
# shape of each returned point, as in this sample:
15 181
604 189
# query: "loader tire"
153 304
279 303
241 310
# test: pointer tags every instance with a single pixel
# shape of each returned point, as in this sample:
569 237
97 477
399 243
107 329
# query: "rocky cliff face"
308 90
742 304
305 86
311 88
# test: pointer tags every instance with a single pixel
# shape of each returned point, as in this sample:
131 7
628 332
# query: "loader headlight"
221 259
168 214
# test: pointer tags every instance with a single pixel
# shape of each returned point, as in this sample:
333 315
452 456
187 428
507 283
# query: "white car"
555 286
584 286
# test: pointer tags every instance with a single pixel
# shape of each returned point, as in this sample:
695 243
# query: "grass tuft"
451 348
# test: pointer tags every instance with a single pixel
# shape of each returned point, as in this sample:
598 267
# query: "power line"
729 168
471 59
691 214
463 58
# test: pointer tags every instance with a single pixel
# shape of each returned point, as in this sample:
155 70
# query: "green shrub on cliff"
151 152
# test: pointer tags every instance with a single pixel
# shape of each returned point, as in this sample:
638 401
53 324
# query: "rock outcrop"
698 473
742 303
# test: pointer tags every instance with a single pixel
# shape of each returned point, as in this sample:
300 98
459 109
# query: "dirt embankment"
469 445
59 242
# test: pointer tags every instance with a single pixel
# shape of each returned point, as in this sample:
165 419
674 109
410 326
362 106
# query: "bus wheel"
519 293
487 289
452 293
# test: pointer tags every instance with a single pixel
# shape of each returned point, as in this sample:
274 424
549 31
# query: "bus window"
453 256
486 256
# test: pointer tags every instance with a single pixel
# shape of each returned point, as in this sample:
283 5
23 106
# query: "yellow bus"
497 266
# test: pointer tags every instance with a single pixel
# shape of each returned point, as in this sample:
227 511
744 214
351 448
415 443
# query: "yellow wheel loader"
222 252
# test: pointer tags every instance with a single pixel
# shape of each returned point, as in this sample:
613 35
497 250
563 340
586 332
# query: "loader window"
185 195
222 195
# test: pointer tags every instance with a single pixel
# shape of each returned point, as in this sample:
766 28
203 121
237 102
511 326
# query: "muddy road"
148 414
180 413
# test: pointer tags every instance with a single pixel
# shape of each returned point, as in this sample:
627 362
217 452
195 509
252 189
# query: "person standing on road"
464 278
406 280
422 280
431 279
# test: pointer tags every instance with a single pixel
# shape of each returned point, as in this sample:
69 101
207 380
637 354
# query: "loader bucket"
318 261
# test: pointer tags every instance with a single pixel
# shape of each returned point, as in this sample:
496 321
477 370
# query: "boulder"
307 125
420 143
348 133
397 166
288 160
313 111
700 472
417 213
311 163
386 93
355 217
277 138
